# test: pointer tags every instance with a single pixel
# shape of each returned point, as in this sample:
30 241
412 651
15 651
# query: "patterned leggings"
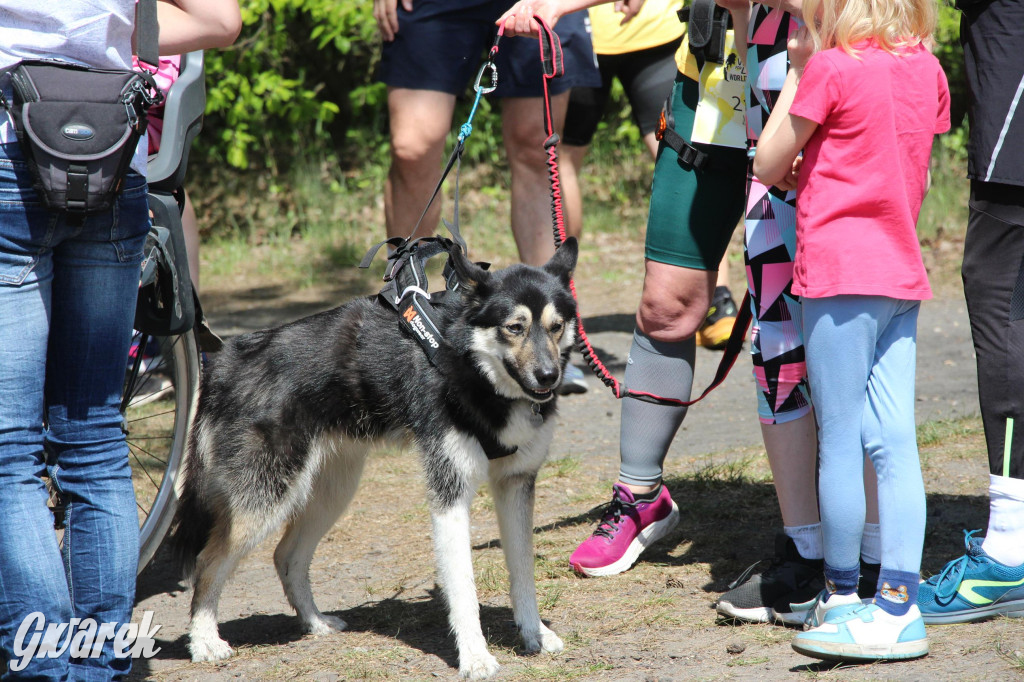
777 339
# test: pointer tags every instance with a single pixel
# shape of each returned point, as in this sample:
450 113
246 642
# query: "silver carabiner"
478 87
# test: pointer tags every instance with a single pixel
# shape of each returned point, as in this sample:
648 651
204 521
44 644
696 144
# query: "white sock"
871 544
808 540
1004 540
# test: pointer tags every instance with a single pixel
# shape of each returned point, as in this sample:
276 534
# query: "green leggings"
693 212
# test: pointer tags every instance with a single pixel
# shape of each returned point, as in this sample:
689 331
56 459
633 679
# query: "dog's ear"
471 275
563 263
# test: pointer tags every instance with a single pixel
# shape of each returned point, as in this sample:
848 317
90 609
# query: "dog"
278 440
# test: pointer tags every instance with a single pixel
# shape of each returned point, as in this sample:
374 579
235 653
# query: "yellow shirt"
655 24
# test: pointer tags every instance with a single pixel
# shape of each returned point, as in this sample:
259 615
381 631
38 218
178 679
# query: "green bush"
299 78
951 56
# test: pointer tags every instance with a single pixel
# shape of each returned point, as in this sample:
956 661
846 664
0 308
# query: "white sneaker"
823 604
865 633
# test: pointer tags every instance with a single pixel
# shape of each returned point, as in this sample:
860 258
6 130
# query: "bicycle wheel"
159 394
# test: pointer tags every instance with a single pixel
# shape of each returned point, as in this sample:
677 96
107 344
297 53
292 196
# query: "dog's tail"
193 519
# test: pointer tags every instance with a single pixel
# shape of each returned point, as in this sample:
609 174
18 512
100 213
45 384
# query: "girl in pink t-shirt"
862 101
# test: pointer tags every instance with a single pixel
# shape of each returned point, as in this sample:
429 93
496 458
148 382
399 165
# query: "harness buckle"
691 157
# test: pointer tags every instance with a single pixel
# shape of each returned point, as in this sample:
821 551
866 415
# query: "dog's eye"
557 327
515 328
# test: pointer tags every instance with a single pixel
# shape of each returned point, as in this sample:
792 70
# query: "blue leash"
465 130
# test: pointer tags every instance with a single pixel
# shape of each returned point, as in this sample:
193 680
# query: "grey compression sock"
663 368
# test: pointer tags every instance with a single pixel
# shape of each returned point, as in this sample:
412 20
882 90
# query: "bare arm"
785 135
187 25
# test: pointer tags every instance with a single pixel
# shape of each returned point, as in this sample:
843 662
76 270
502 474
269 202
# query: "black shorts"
646 76
441 44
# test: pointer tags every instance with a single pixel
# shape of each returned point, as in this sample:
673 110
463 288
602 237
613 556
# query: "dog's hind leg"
513 502
453 482
215 564
334 488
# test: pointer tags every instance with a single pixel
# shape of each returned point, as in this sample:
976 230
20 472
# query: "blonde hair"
893 24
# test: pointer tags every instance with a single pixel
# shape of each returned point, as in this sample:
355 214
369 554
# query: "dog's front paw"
549 641
325 625
543 640
206 650
478 666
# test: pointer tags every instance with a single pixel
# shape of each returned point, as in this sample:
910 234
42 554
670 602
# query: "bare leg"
570 164
420 121
190 226
531 201
792 449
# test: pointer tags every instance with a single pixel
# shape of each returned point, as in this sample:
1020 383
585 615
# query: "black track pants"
993 274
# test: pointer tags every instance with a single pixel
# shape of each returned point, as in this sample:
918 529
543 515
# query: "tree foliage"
298 79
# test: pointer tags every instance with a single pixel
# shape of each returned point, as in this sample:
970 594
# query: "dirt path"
375 569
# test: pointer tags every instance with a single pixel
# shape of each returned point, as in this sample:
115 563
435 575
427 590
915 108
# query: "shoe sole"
647 537
790 618
760 614
843 651
1014 609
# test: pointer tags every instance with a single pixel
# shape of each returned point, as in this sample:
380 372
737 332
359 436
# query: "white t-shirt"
95 33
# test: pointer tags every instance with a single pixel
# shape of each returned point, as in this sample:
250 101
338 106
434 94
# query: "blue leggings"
862 350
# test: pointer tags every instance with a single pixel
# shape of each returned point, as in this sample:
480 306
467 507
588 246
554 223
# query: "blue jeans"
861 362
67 302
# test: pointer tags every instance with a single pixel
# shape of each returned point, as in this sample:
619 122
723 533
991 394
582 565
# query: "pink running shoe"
627 528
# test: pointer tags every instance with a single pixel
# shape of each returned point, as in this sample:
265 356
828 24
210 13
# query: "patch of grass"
491 575
563 467
769 634
729 472
1012 653
941 430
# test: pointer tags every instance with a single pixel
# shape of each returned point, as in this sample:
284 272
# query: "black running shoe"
794 608
753 596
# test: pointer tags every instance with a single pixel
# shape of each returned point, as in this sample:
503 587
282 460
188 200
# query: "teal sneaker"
856 634
973 587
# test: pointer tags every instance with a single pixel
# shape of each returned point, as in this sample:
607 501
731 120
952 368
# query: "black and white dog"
279 440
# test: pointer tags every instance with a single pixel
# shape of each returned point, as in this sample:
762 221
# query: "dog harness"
405 291
405 286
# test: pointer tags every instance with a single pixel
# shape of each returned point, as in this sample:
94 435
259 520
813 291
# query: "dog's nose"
546 376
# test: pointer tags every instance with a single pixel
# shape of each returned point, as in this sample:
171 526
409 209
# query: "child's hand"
789 182
801 47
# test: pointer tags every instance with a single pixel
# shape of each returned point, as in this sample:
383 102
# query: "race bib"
721 110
